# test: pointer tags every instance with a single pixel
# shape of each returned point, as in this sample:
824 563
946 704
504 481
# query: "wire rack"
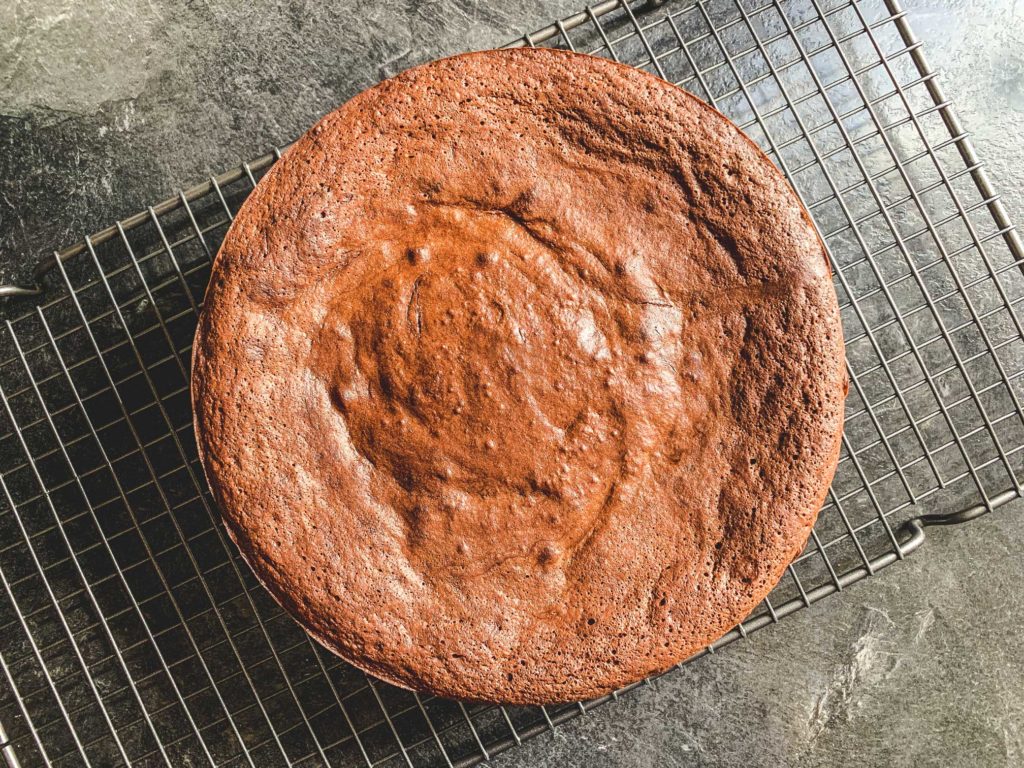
130 631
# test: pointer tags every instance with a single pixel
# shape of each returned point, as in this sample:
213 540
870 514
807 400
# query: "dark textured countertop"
107 105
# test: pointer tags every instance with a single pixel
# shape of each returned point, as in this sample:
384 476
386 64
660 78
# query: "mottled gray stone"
108 104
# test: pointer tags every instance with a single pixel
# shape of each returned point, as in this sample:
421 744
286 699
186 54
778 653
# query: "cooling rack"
130 631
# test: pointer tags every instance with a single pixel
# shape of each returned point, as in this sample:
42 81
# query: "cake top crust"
520 377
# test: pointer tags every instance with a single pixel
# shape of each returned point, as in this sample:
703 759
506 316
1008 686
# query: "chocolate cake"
520 377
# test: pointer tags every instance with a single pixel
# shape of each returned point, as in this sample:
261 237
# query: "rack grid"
130 630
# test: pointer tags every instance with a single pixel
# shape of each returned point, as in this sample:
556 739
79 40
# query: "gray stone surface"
107 104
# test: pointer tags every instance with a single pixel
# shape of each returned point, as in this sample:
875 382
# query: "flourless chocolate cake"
520 377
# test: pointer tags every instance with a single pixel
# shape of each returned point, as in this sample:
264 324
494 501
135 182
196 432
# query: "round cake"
520 377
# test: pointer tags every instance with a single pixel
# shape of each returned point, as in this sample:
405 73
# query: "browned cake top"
520 377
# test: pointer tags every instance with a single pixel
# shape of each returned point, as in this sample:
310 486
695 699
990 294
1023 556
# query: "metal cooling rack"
130 631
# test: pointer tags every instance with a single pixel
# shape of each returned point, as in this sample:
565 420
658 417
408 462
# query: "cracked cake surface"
520 377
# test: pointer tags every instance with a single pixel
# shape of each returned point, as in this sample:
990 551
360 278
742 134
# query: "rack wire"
131 632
